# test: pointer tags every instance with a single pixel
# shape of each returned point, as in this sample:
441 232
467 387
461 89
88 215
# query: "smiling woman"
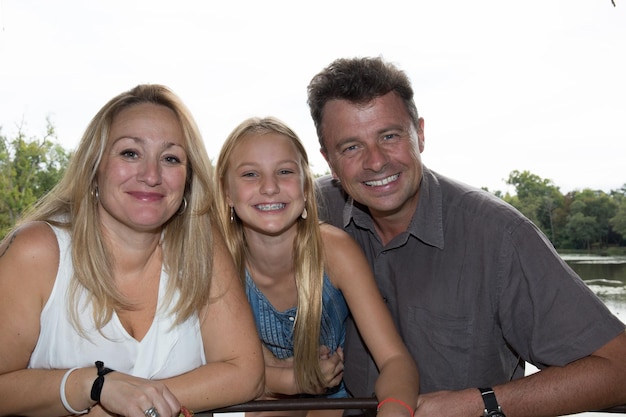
141 179
121 262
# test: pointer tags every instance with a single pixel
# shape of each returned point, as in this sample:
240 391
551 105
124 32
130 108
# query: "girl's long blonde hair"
308 257
187 237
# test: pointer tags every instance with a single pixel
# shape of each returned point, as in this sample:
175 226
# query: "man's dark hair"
358 80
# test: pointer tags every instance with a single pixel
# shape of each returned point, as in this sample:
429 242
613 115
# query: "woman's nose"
150 173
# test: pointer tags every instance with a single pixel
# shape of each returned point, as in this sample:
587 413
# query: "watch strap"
491 403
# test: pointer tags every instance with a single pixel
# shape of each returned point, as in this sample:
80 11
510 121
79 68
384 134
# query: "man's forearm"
593 383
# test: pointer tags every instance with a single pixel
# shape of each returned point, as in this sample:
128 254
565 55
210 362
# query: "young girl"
298 271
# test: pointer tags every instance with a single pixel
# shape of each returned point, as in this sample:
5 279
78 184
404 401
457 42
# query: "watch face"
493 414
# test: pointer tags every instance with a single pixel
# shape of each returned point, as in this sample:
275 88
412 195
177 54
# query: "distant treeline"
586 219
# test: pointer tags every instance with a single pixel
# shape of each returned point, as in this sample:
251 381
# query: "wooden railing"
301 404
328 404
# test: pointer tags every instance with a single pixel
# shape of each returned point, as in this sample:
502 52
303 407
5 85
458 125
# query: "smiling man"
474 288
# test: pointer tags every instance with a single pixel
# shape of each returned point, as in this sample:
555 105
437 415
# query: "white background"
537 85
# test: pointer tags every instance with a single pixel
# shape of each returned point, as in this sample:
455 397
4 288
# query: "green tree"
618 222
29 168
579 219
538 199
590 206
582 230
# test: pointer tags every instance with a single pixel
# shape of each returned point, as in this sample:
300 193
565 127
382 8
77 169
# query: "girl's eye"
285 171
248 174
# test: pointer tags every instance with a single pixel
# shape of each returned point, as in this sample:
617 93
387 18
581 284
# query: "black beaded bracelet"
96 388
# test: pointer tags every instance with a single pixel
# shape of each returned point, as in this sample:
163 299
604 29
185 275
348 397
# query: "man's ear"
421 139
330 165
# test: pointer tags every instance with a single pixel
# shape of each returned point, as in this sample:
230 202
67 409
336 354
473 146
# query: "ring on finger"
151 412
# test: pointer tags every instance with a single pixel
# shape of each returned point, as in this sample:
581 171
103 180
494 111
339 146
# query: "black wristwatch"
492 408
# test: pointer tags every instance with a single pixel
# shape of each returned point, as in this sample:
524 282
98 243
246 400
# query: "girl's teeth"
268 207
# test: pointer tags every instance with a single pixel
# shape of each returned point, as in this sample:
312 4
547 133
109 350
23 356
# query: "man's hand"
450 403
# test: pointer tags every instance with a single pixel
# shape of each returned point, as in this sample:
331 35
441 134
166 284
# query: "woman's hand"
98 411
131 396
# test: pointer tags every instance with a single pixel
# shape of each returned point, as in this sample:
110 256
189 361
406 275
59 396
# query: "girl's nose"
269 185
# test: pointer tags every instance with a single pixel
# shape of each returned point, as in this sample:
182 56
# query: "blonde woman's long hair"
187 237
308 257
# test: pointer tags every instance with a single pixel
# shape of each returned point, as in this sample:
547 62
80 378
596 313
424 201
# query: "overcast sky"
536 85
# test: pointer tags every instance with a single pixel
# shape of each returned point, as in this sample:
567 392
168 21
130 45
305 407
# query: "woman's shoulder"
32 238
31 249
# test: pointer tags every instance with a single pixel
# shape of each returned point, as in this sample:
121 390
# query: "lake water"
606 276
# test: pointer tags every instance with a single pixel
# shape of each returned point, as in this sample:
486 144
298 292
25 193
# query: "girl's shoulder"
338 241
341 254
334 235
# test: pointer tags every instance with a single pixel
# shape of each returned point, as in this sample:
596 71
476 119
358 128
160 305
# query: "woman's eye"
129 154
172 159
285 171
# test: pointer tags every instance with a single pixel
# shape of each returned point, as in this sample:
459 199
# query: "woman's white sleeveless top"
165 351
